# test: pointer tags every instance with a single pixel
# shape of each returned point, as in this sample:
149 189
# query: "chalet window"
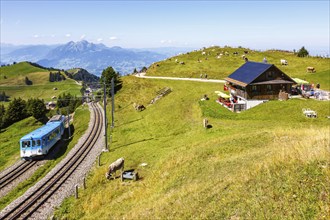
254 88
270 75
269 87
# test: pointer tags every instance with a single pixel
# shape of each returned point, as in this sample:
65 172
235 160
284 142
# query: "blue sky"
141 24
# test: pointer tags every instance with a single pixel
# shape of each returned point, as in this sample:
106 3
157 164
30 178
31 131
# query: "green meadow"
270 162
12 82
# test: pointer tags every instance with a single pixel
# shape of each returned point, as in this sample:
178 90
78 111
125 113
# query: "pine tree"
36 108
16 111
107 75
2 115
302 52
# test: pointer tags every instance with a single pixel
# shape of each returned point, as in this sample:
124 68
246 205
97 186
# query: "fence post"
76 191
84 183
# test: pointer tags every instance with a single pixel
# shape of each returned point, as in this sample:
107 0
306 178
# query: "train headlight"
39 151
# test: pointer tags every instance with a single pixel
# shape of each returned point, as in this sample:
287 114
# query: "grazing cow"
226 53
176 60
182 63
117 165
310 69
246 52
235 53
218 57
204 53
138 107
284 62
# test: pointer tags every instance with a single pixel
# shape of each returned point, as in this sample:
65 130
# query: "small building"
258 81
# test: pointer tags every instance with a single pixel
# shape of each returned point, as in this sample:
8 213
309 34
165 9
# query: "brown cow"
311 69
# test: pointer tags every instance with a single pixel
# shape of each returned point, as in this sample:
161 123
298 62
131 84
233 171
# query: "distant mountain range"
83 54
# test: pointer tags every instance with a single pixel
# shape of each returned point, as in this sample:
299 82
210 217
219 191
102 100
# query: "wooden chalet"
258 81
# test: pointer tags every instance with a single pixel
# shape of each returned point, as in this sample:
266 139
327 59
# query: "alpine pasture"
12 82
270 162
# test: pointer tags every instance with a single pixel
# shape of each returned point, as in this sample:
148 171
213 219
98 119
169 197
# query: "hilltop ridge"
219 62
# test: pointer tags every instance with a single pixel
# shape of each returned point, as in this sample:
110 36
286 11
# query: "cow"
311 69
138 107
182 63
204 53
117 165
284 62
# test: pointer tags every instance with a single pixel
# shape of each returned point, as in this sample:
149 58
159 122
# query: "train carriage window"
26 144
33 143
38 142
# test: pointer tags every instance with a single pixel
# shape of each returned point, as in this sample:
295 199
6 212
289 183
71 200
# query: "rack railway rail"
30 204
20 169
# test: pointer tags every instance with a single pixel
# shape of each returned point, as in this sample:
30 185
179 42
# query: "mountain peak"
82 46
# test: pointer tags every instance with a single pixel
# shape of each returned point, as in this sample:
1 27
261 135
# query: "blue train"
41 140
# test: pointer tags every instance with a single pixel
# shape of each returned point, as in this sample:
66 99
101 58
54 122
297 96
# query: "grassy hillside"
13 82
270 162
19 69
220 68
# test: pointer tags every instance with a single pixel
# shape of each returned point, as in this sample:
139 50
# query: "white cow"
284 62
117 165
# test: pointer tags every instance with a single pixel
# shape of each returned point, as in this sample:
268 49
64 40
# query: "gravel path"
67 188
142 75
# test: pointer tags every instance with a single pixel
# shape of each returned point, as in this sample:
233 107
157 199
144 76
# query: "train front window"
26 144
38 142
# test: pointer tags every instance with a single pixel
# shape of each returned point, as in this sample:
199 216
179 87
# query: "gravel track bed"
67 188
4 191
11 168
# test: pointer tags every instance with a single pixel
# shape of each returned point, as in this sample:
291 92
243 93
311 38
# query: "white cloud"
82 36
68 35
53 35
99 39
36 36
113 38
166 41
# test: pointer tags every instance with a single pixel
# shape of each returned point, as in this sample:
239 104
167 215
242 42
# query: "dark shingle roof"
249 72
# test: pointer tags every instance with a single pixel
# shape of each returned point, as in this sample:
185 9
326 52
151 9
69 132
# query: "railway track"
30 204
20 169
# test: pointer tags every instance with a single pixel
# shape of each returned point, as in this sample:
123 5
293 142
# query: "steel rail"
9 177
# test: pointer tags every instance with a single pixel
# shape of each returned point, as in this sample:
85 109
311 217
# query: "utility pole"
105 116
69 122
112 102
